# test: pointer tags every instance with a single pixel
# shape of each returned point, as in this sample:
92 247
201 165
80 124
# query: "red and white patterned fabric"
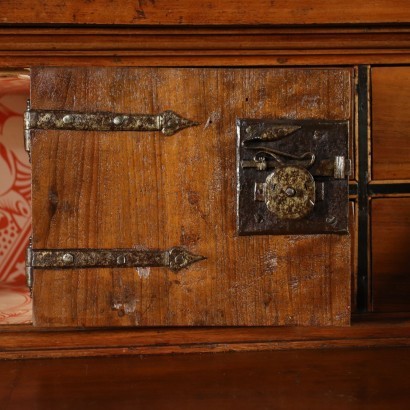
15 191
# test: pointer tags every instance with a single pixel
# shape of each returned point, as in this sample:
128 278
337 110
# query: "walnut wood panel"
147 190
390 253
206 46
391 122
211 12
341 379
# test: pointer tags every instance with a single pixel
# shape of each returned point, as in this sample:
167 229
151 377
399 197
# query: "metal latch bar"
338 168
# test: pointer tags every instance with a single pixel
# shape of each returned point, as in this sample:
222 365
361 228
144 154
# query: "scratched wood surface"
391 123
210 12
145 190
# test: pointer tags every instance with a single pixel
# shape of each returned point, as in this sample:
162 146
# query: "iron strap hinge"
167 122
175 259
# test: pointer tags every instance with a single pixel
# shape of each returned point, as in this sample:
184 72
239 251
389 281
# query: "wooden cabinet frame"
365 43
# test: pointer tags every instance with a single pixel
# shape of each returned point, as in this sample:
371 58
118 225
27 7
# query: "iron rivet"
118 120
331 220
258 218
290 191
67 119
68 258
180 260
121 260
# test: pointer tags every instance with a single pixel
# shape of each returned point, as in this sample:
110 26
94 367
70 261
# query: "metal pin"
339 167
290 191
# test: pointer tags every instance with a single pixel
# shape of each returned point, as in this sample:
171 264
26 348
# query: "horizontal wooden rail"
20 342
27 46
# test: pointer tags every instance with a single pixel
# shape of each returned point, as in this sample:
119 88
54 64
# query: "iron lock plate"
292 176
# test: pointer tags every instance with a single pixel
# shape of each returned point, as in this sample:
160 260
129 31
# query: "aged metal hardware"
175 259
292 176
27 133
270 132
167 122
306 159
29 267
289 192
339 167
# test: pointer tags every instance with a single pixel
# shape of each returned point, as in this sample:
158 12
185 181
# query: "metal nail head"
118 120
121 260
67 119
68 258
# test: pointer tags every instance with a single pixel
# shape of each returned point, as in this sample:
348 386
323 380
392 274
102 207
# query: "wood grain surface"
391 123
203 46
367 331
211 12
390 253
149 191
353 379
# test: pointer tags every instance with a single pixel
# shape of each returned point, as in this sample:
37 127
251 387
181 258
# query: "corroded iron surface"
271 197
168 122
268 132
175 258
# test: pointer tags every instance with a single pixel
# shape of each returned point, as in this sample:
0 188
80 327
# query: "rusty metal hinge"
167 122
27 133
175 259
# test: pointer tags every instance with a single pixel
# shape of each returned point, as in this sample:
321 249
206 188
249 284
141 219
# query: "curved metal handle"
275 154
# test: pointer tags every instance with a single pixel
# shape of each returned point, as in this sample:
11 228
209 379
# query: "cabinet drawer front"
391 123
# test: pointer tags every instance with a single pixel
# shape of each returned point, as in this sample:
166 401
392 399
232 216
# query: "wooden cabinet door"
145 190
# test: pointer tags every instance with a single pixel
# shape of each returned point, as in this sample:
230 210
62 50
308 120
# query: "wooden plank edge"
285 60
203 348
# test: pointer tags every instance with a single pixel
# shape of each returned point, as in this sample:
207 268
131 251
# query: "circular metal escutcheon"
290 192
